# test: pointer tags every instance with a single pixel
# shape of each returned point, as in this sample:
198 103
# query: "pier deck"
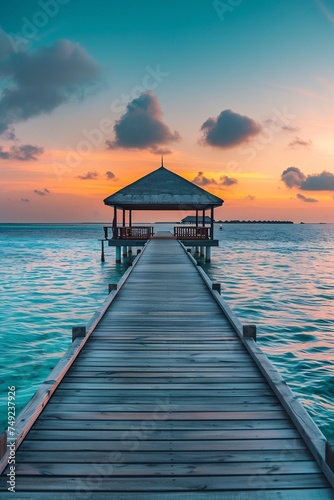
164 401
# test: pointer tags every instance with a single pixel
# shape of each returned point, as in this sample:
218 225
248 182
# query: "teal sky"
250 56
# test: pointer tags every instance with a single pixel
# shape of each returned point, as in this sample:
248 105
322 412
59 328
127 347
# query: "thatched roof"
163 190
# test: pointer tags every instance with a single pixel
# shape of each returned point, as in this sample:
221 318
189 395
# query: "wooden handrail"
192 232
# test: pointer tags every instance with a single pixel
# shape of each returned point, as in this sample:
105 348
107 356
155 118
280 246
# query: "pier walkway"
164 401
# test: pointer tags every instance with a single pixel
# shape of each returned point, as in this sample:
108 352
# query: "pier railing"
192 232
125 233
136 232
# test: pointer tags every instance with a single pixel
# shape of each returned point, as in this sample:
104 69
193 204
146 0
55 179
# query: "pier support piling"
208 254
118 255
125 251
102 251
217 287
112 287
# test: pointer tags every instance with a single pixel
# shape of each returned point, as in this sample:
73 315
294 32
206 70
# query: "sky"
237 94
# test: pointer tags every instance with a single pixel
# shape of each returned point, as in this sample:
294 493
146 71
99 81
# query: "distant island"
255 222
191 219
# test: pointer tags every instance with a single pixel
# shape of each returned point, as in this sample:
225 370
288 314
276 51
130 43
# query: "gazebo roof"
163 190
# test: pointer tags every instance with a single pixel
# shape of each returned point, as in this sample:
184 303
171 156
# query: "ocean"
279 277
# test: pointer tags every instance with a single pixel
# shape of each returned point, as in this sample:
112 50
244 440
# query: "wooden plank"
157 469
277 445
286 494
176 457
67 424
171 484
164 435
175 415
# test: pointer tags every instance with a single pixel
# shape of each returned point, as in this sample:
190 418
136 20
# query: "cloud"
294 177
141 126
201 180
250 197
110 175
4 155
276 123
229 129
89 176
40 81
25 200
300 142
161 151
228 181
25 152
319 182
307 200
42 193
290 128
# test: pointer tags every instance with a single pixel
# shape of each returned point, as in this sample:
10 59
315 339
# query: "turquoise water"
279 277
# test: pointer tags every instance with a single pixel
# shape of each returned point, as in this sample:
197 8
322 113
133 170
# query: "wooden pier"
168 397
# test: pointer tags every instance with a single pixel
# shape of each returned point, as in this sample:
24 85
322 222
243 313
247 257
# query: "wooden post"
112 287
208 254
102 251
203 218
78 331
249 331
189 250
124 222
330 454
118 255
105 232
197 250
125 251
138 251
115 223
130 218
212 222
3 444
196 218
202 251
217 287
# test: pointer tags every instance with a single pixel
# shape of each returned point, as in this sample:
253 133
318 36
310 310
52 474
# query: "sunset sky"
237 94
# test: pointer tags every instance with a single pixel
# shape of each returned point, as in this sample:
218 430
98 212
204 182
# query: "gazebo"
161 190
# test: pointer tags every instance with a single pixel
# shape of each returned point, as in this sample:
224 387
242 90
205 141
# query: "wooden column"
115 223
212 222
130 218
124 221
203 218
196 218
